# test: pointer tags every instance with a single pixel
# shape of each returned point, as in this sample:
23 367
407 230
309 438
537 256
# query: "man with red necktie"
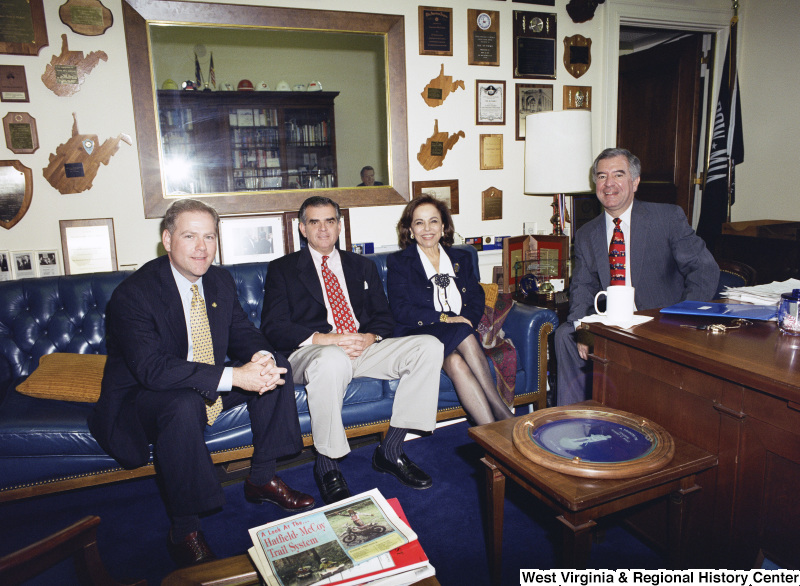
648 246
325 309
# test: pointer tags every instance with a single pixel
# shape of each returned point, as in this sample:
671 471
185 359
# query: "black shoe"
278 493
403 469
191 550
332 486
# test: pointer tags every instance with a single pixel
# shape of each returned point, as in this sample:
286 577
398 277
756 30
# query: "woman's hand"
458 319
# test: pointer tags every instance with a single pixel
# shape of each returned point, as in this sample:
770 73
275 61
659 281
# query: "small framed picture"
23 264
295 240
531 98
88 246
490 102
251 238
47 263
577 97
5 266
445 190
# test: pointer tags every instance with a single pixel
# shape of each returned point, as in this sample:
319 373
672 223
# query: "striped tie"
616 255
202 348
342 315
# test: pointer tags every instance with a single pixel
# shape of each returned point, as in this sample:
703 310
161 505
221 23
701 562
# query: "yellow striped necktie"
202 347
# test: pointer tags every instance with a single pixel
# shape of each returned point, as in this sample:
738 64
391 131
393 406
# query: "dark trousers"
574 382
175 423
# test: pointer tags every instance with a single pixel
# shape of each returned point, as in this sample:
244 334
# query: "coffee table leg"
576 543
495 498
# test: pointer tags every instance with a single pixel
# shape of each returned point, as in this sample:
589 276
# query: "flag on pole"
212 78
197 75
727 149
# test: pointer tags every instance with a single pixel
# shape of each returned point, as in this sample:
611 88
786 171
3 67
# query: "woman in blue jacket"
432 290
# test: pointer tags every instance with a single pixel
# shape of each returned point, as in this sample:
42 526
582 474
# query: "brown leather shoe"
192 550
278 493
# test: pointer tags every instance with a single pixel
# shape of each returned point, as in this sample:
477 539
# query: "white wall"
103 106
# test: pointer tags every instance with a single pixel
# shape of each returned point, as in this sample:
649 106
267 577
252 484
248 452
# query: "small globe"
528 284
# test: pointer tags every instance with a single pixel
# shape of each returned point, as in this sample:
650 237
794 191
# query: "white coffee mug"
619 302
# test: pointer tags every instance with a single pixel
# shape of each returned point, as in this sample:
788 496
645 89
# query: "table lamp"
558 157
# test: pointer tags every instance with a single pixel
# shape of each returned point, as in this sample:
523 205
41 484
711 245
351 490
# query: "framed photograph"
88 246
23 30
5 266
47 263
534 45
539 2
445 190
490 102
251 238
295 241
531 98
23 264
435 31
491 151
577 97
483 33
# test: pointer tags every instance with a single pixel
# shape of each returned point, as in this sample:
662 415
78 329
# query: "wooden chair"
78 540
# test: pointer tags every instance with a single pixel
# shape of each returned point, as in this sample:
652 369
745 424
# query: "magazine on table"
322 543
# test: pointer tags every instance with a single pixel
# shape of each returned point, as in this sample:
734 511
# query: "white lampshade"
558 152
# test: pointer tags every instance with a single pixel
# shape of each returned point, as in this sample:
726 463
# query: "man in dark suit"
170 327
326 310
666 263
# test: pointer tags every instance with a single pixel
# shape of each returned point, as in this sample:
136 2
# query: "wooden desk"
579 502
234 571
736 395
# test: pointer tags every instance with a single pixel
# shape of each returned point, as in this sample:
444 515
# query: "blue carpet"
449 519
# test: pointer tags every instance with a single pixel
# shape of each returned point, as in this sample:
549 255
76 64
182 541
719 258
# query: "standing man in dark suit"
326 310
664 260
170 327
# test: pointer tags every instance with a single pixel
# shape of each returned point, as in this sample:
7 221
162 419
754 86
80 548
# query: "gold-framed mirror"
145 19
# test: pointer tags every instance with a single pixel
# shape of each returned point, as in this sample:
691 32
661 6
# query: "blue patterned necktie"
202 347
616 255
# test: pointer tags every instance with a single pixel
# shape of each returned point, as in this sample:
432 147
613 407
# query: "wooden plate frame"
661 454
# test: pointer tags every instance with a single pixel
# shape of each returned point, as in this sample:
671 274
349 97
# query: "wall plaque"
435 31
577 54
534 45
22 27
13 84
577 97
16 191
20 131
433 151
66 72
483 32
86 17
492 208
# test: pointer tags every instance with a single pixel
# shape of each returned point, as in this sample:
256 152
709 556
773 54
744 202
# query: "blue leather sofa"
45 445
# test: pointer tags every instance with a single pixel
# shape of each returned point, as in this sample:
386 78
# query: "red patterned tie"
342 316
616 255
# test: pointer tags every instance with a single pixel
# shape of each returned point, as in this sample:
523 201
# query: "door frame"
645 14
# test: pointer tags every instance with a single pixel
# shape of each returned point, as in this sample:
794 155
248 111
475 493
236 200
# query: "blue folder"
732 310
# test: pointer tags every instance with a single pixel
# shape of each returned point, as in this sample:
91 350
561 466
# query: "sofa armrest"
528 327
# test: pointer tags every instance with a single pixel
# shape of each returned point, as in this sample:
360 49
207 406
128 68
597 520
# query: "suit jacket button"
419 323
463 289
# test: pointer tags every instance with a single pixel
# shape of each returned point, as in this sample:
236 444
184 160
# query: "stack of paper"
762 294
364 539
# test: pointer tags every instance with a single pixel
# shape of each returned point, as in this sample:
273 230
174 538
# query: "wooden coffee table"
235 571
579 502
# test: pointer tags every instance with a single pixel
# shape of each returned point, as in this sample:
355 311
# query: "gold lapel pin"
214 304
456 267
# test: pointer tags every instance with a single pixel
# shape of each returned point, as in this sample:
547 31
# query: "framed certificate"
490 102
593 442
88 246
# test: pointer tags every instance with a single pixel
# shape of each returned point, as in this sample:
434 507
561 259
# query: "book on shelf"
361 540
